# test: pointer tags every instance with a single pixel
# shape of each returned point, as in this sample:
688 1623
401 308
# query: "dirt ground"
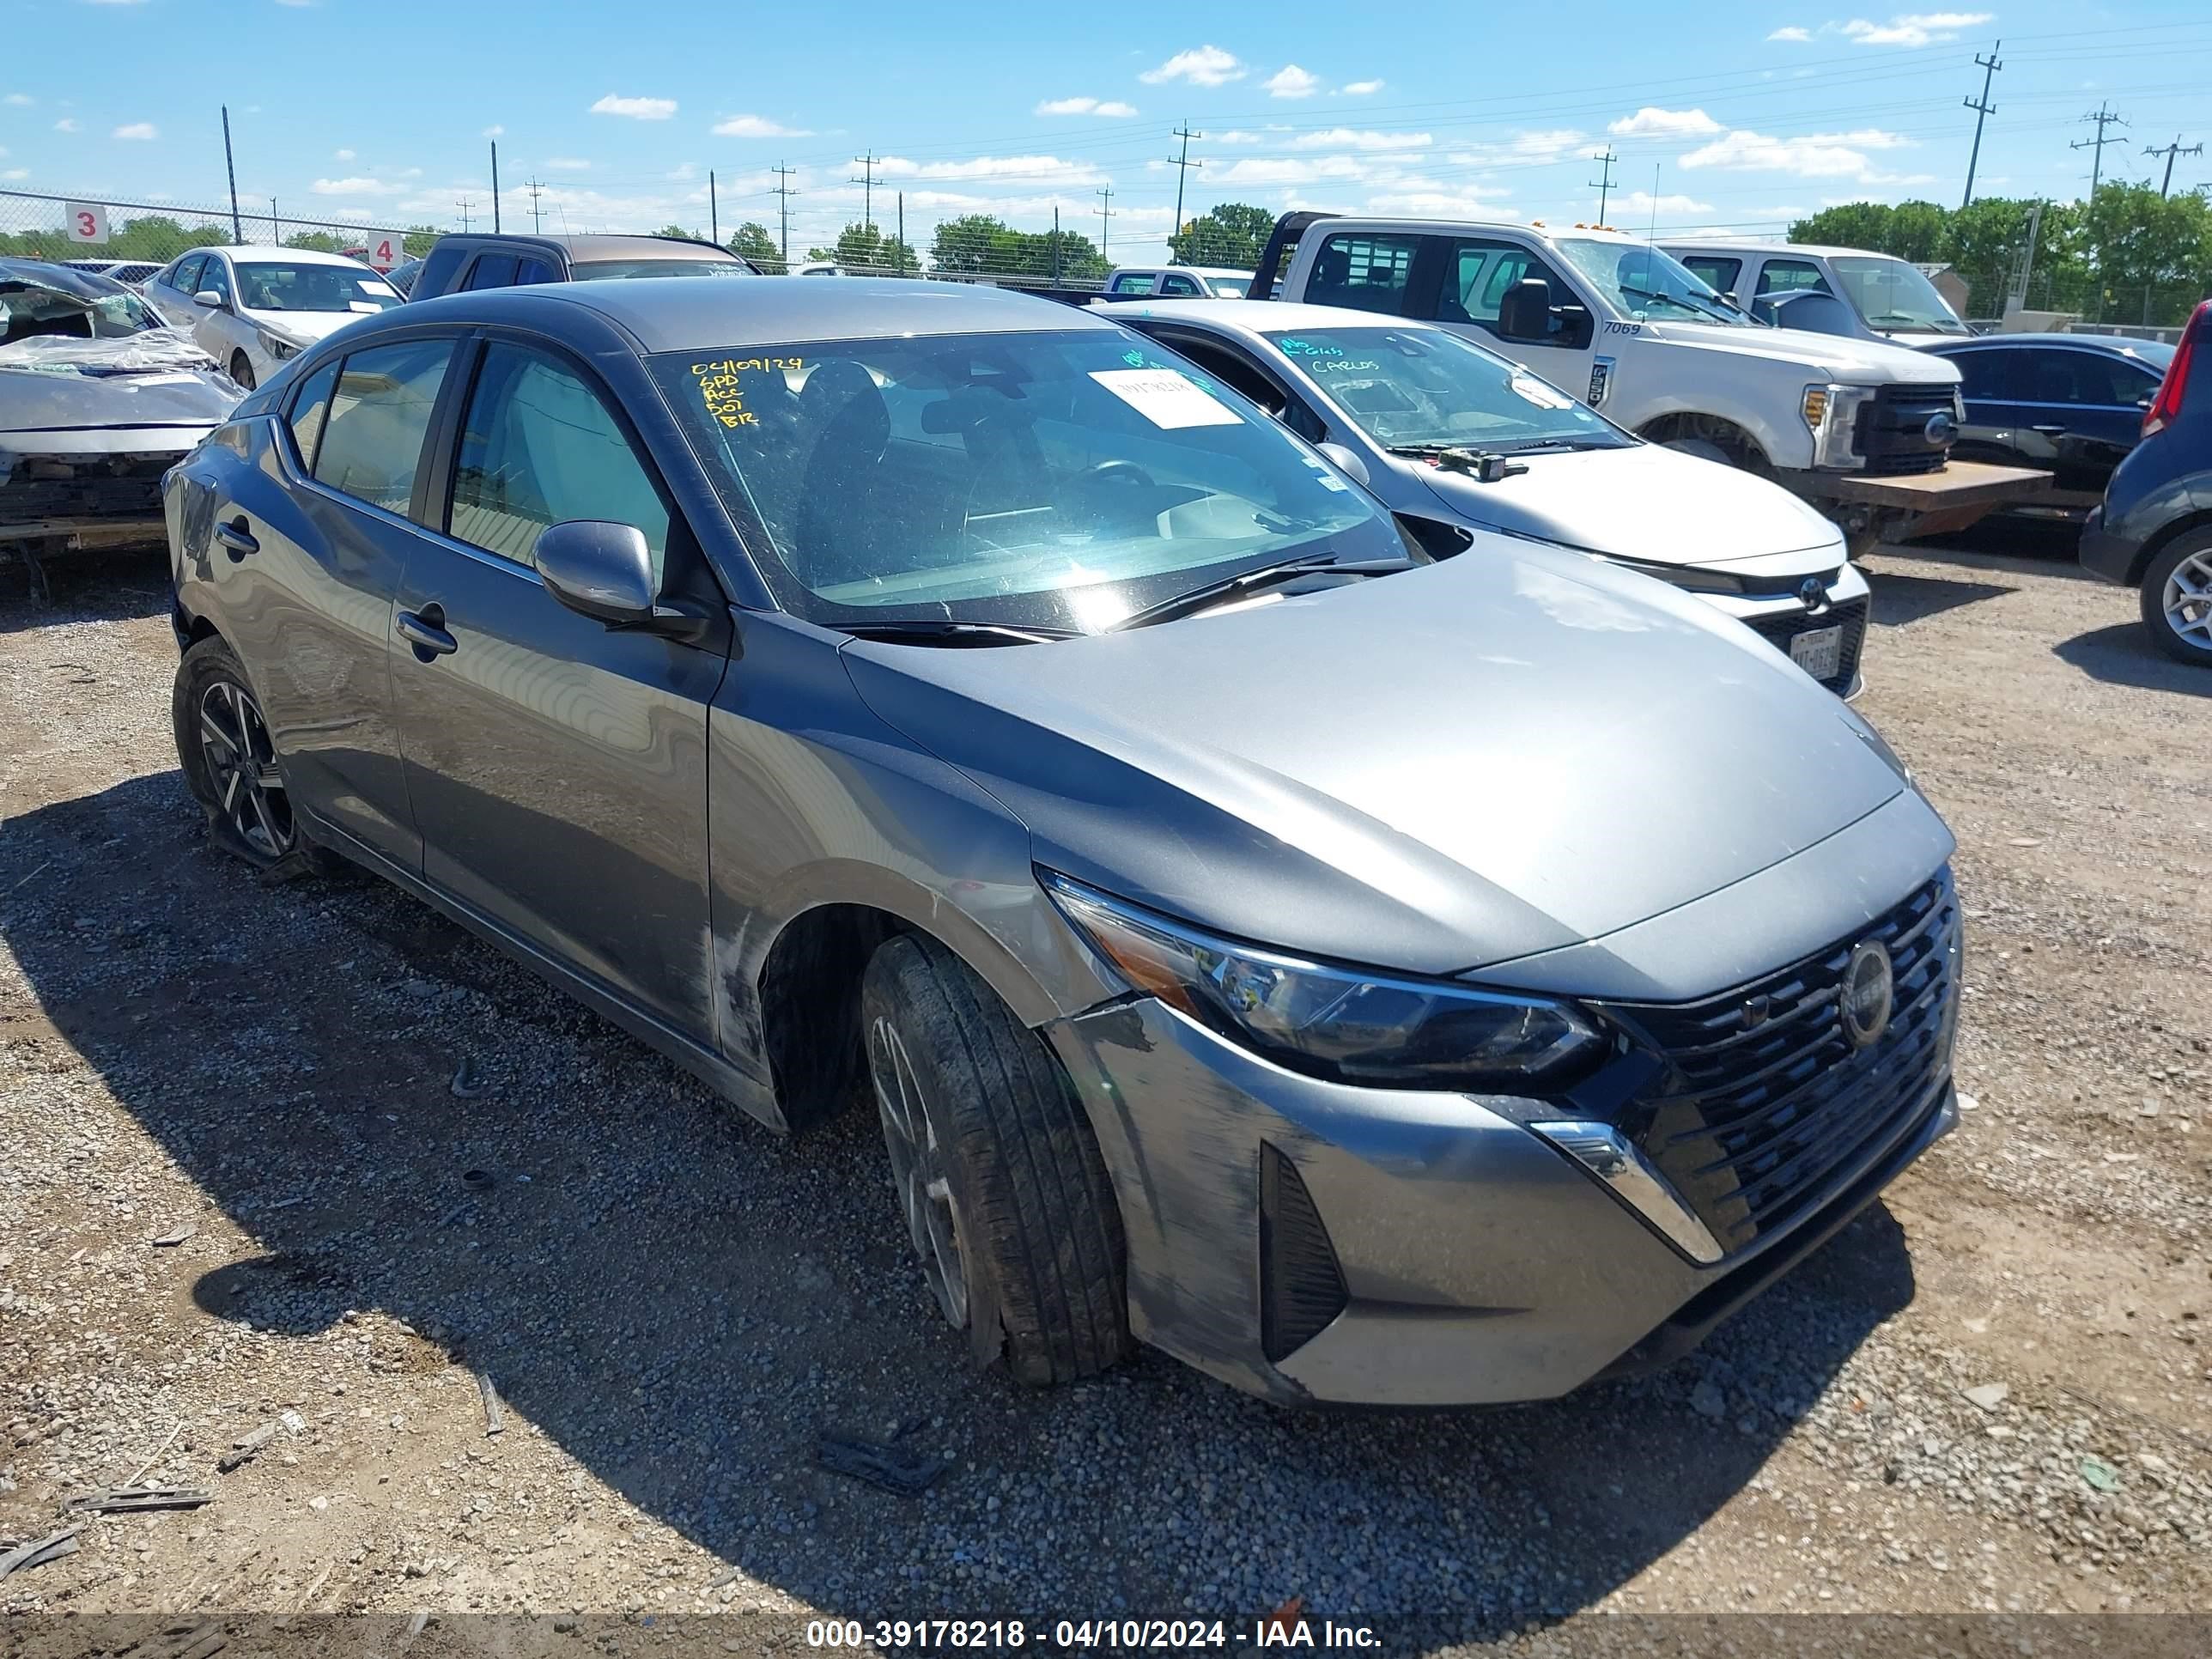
307 1158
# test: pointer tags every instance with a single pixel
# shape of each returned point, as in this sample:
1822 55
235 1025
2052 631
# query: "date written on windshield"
721 385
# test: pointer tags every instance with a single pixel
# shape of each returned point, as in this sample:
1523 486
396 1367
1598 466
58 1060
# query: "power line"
2170 151
867 181
1983 110
1604 186
1184 165
783 193
2103 118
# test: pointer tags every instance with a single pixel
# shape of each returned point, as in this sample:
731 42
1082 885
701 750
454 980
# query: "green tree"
319 242
976 244
1848 224
753 242
678 230
1233 233
866 248
2151 254
421 238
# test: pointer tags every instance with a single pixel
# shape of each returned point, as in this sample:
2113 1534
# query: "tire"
1704 449
2177 596
218 720
996 1170
241 369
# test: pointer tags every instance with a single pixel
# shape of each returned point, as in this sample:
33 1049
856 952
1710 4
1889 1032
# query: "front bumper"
2104 554
1477 1263
1845 603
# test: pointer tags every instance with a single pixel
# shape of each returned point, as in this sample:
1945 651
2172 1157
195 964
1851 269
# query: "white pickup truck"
1860 429
1828 290
1176 282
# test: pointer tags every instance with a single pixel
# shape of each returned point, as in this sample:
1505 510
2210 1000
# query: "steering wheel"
1114 472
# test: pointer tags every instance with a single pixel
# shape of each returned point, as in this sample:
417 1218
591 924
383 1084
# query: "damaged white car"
97 400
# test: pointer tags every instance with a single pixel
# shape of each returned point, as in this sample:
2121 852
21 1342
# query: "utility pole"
237 228
898 247
1184 165
1105 212
1603 186
1055 244
1983 110
494 186
2103 118
2170 151
275 225
534 217
784 192
464 204
867 181
713 211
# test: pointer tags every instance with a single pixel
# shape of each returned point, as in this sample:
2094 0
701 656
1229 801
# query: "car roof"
583 248
256 253
66 279
2095 342
1818 250
1260 316
710 314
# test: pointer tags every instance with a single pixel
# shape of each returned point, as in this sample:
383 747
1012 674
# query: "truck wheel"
998 1176
2177 599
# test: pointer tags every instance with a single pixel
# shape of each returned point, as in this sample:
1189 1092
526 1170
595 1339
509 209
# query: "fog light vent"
1301 1286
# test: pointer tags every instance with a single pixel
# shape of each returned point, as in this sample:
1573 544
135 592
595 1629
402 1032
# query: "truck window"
1367 272
1716 270
1482 270
1790 276
1173 287
1134 282
491 270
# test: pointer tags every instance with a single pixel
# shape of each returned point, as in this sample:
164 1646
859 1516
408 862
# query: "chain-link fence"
87 227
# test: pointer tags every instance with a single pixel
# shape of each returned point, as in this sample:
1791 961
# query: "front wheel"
998 1176
2177 599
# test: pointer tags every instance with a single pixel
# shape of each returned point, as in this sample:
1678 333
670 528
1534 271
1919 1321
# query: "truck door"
1479 271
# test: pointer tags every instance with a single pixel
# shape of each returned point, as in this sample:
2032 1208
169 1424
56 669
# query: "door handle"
2049 431
237 538
425 630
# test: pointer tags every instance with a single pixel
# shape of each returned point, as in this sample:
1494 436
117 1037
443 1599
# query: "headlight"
1347 1023
277 348
1831 413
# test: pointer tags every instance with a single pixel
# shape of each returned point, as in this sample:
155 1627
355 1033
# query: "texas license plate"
1819 652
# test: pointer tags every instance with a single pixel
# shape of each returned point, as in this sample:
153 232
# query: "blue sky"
378 111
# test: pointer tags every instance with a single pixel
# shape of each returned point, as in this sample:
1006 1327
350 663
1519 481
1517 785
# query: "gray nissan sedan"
1365 975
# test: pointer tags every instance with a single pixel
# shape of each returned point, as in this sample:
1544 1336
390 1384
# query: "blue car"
2069 404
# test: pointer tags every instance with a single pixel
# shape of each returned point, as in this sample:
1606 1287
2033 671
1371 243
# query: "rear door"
557 767
2086 407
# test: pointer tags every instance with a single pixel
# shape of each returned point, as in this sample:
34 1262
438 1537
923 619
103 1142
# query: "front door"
1479 272
557 767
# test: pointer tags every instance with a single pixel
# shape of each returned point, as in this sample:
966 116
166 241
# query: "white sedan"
249 308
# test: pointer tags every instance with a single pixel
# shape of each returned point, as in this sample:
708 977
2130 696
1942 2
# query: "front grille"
47 487
1766 1106
1892 429
1850 617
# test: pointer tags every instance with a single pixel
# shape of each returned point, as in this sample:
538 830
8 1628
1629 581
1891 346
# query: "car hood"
1649 503
1514 750
1828 356
50 383
305 327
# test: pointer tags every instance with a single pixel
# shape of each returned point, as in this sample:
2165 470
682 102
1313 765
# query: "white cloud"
358 186
115 2
1653 123
1034 169
637 109
140 131
1792 33
753 126
1642 204
1911 28
20 99
1360 89
1202 66
1109 107
492 132
1291 81
1348 138
67 123
1815 156
1264 171
1427 201
567 164
341 155
1534 148
14 173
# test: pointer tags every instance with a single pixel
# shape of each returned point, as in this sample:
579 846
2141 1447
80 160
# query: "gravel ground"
405 1164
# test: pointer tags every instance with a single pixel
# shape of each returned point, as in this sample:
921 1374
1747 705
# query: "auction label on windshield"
1166 398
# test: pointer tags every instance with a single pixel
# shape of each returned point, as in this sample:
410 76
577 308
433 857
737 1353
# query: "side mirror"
1346 461
209 297
599 569
1525 313
1812 311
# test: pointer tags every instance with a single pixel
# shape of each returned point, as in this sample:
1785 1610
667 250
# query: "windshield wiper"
1245 581
923 631
1696 308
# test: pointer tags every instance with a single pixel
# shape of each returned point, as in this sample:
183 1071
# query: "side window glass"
1482 273
311 406
1177 288
1367 272
2048 377
1791 277
534 271
372 439
1714 271
491 270
538 447
188 273
216 275
1134 284
1232 371
1986 376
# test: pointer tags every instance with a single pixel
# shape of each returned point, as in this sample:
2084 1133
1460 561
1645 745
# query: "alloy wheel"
241 765
918 1170
2188 600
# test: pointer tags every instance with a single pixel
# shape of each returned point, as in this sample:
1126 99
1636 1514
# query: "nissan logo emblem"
1869 989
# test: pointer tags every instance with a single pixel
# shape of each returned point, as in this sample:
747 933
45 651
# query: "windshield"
1646 282
1229 287
1428 387
603 271
1891 294
268 286
1061 479
82 311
